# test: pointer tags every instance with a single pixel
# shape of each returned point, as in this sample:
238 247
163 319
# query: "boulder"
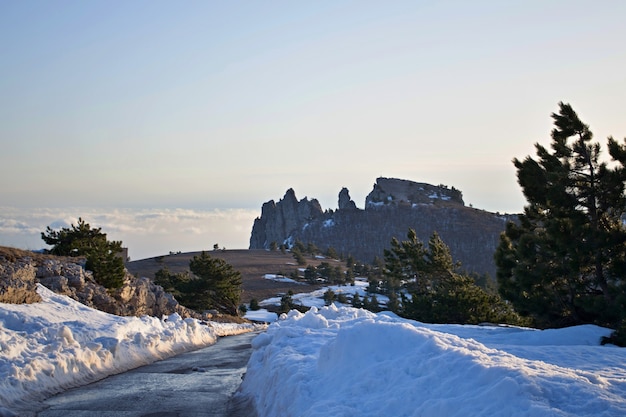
17 282
20 273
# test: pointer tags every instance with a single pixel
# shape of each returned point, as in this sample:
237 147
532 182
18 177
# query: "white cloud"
146 232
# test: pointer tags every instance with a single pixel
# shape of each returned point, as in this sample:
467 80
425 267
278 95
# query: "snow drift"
59 343
350 362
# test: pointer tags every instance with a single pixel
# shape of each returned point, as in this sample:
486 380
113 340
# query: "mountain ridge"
391 208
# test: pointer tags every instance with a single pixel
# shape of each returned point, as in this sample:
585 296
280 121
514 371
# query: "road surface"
193 384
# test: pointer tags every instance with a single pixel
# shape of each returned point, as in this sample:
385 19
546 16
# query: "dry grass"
13 254
253 265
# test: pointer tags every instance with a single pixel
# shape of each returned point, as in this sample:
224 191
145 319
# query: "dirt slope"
253 265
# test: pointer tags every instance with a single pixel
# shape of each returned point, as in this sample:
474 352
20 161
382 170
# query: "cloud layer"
146 232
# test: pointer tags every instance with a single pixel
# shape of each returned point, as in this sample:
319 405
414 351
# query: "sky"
210 106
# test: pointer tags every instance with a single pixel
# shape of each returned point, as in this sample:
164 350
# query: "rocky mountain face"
20 271
391 208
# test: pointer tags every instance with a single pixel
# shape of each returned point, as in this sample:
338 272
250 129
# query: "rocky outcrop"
345 202
391 208
278 220
19 275
402 192
17 283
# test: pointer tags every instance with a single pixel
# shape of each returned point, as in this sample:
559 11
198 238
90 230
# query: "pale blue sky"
207 104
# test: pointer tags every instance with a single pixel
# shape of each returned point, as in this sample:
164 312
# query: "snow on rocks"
350 362
56 344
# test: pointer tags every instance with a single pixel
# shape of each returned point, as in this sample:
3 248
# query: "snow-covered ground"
341 361
316 298
279 278
59 343
331 361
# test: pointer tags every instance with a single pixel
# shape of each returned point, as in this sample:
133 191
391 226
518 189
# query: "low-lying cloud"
146 232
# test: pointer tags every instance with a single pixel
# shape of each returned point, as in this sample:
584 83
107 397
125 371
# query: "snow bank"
279 278
59 343
316 298
261 315
350 362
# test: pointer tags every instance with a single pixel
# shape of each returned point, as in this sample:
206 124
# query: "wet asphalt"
201 383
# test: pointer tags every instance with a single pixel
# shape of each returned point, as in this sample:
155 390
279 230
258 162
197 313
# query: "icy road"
193 384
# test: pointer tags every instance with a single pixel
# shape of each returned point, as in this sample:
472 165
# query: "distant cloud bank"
146 232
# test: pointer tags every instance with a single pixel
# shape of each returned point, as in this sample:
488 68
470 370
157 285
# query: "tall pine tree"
218 284
432 290
103 256
564 262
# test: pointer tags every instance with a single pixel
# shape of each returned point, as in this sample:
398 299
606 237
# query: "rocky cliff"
391 208
279 220
20 271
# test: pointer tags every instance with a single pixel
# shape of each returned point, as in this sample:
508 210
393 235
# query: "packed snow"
57 344
331 361
261 315
316 298
341 361
279 278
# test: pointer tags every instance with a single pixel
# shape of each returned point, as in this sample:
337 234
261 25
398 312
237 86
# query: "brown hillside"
12 254
253 265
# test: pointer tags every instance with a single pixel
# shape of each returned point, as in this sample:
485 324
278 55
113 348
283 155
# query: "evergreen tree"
163 277
299 246
366 302
350 262
286 302
175 284
311 249
372 304
433 291
394 303
107 266
563 263
332 253
404 262
297 255
342 298
356 301
217 286
103 256
310 274
329 297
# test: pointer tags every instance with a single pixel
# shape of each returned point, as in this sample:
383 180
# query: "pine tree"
286 302
218 284
373 305
564 261
433 291
310 274
102 256
107 266
356 301
329 297
297 255
404 262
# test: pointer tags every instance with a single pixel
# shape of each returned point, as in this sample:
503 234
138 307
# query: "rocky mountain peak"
391 208
279 219
399 192
345 202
